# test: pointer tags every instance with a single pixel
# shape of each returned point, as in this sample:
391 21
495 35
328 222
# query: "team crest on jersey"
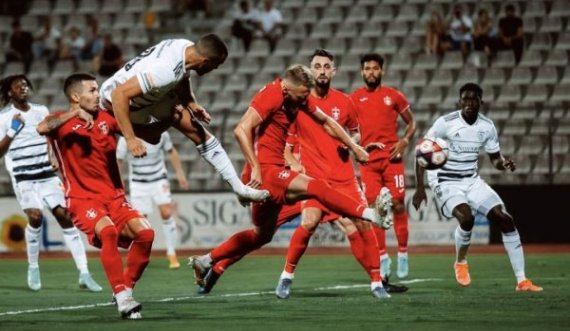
481 135
91 214
103 127
388 101
335 113
284 174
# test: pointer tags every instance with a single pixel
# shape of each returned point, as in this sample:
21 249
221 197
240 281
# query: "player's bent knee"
35 217
145 235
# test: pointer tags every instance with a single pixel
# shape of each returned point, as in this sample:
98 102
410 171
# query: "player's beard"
373 82
324 85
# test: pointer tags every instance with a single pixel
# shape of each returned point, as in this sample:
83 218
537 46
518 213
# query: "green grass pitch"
329 293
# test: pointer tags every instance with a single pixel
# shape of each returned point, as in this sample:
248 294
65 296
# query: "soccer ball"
431 153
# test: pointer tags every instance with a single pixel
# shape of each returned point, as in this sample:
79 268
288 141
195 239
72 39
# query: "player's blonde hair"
299 74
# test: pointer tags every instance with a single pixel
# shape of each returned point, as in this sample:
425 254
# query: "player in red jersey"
84 142
329 160
270 114
378 108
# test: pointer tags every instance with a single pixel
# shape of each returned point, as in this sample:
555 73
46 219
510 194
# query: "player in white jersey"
149 185
34 179
153 92
459 188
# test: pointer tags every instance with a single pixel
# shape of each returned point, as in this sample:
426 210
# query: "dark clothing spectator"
511 34
111 58
245 24
483 33
20 46
437 38
47 41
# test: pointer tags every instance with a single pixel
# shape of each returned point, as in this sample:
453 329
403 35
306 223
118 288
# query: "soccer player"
378 108
34 179
84 142
329 160
155 90
148 185
270 114
459 188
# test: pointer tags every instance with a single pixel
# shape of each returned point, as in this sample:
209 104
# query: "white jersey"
465 142
150 168
27 157
158 69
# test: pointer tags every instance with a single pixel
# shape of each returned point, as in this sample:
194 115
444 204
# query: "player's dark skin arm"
399 148
420 194
502 163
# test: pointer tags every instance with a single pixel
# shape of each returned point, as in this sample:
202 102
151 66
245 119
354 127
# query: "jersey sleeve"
122 149
401 102
437 130
352 122
492 142
266 101
167 144
158 76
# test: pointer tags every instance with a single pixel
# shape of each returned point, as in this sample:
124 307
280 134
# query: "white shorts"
38 194
472 191
145 195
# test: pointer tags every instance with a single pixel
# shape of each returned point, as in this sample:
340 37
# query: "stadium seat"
391 78
349 63
307 16
467 74
127 21
452 60
427 62
494 77
408 12
111 7
40 7
508 145
135 6
382 14
563 42
236 83
403 61
308 46
274 65
416 78
248 65
223 100
397 29
161 5
296 32
557 57
292 4
546 75
520 76
531 58
342 81
560 8
316 4
561 93
442 78
332 14
560 145
431 95
541 42
360 46
534 9
386 46
336 46
504 59
285 47
551 24
509 94
347 30
322 30
209 83
357 14
259 48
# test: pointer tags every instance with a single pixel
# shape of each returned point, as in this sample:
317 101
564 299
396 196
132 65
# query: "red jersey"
378 112
322 156
271 135
88 159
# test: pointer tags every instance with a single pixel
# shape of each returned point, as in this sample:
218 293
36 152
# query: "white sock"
462 242
369 214
213 152
33 245
287 275
403 254
75 245
206 259
513 246
170 235
374 285
384 256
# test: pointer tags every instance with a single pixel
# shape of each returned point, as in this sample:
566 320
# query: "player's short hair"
74 81
6 85
212 47
299 74
372 57
472 87
321 52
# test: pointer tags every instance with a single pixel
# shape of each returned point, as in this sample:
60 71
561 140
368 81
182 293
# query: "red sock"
334 200
138 256
372 254
221 266
237 245
381 239
111 259
297 246
357 247
401 229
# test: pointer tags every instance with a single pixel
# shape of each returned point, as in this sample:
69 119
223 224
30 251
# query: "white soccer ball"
431 153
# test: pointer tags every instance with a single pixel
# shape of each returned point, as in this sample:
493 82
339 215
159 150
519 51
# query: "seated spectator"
460 27
245 23
271 21
511 34
72 46
111 58
483 33
93 39
47 41
20 48
437 39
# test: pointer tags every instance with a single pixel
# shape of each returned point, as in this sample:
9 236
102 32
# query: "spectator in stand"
111 58
72 46
460 27
93 38
437 38
271 21
245 24
20 48
47 41
511 34
483 33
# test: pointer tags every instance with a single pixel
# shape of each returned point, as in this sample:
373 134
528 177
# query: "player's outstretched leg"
32 236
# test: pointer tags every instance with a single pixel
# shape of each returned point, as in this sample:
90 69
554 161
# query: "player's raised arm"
244 135
54 121
338 133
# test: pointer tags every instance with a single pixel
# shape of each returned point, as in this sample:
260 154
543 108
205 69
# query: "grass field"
329 293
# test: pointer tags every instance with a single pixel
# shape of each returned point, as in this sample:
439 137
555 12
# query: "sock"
170 235
513 245
213 152
221 266
111 259
374 285
237 245
334 200
287 275
357 248
381 238
462 242
33 245
297 246
138 256
401 229
75 245
372 254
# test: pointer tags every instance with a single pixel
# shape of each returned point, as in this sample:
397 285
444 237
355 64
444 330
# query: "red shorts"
86 213
276 180
381 173
273 212
349 188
